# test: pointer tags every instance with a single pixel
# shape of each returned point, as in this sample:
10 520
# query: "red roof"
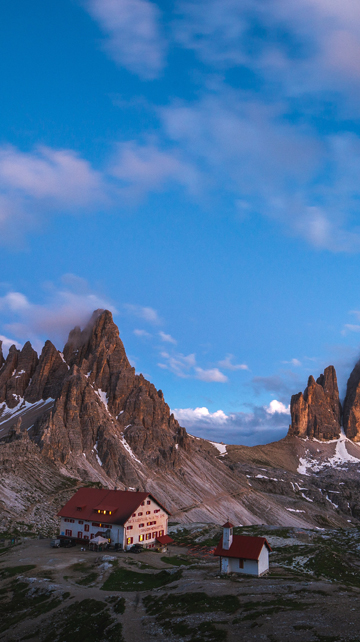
121 503
165 539
228 525
243 546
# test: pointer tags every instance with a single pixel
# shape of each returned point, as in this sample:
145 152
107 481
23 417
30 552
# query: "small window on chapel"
241 563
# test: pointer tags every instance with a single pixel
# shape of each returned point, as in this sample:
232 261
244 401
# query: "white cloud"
293 362
260 426
228 365
192 415
179 364
145 168
211 375
143 312
167 338
142 333
277 406
66 306
7 343
43 181
133 32
351 328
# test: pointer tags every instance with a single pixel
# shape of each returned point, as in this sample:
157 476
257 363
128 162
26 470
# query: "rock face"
317 412
352 405
104 416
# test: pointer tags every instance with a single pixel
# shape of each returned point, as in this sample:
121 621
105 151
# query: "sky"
193 166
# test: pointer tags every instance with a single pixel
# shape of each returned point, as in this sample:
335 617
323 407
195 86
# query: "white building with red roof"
242 553
123 517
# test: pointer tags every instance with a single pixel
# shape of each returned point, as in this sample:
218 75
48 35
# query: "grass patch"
11 571
255 610
190 603
117 603
88 579
123 579
19 601
169 609
88 620
177 560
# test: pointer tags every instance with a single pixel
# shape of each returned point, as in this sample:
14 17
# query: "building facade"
123 517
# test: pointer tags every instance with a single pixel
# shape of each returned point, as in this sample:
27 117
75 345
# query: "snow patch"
295 510
221 447
128 449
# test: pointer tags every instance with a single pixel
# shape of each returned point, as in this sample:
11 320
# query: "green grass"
190 603
123 579
88 579
117 603
19 601
11 571
170 608
177 560
89 620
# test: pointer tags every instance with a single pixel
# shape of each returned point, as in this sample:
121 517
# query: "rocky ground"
311 594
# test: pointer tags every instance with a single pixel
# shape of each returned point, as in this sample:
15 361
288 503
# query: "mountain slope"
85 416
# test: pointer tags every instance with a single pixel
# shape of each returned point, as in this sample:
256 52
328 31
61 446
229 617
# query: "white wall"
264 560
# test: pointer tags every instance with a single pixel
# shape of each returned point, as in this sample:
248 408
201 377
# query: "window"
68 533
141 525
139 514
72 521
86 537
141 538
130 540
129 528
134 515
66 519
142 503
155 534
148 535
148 502
157 510
96 524
148 512
92 536
80 535
86 527
81 521
241 563
161 533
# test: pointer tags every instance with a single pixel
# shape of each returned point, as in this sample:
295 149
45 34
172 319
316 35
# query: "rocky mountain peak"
352 405
48 376
316 413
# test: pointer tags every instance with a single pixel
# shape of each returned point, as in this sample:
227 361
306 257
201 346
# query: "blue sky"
194 167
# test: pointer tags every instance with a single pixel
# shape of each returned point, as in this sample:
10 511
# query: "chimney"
227 535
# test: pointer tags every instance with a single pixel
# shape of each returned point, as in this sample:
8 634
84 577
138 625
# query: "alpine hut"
122 517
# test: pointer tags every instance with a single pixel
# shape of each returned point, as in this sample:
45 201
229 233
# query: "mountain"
84 416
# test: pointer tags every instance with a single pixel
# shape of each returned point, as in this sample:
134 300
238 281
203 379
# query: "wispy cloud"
7 343
66 305
145 168
228 364
179 364
133 29
44 181
211 375
142 333
293 362
143 312
167 338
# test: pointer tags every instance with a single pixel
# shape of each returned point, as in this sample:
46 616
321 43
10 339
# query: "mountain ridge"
84 416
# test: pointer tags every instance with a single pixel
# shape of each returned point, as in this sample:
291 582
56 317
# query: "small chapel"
242 553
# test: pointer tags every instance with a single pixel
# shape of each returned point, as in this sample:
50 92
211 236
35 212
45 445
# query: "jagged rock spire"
352 405
317 412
